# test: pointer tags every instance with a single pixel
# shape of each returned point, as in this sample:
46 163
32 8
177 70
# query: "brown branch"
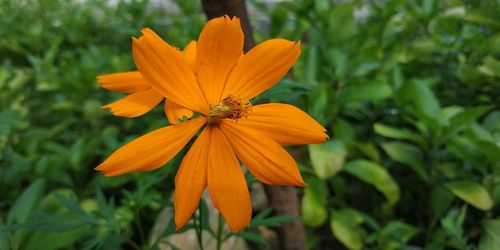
217 8
283 200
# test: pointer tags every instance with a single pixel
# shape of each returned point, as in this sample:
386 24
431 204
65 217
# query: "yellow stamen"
231 107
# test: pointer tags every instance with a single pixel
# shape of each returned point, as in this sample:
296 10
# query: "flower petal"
285 124
262 67
135 104
190 55
152 150
220 46
126 82
174 112
166 70
226 183
191 179
263 157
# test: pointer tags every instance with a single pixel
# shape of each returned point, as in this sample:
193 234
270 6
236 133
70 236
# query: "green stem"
139 227
220 232
198 228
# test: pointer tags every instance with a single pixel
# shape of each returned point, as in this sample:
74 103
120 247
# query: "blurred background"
408 90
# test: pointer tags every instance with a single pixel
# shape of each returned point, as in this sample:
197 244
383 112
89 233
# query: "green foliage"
408 91
53 132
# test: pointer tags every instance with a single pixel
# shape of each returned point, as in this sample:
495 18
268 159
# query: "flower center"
231 107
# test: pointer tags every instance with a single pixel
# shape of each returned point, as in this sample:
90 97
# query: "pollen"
231 107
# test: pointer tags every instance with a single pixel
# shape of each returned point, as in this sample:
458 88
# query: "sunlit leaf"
345 225
327 158
472 193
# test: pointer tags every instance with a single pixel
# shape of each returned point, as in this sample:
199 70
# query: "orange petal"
190 55
191 179
174 112
152 150
135 104
261 68
285 124
263 157
126 82
166 70
220 46
226 183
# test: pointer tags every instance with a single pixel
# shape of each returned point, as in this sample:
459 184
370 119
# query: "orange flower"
218 85
142 98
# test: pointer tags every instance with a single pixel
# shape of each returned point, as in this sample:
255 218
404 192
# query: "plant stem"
220 231
198 228
139 227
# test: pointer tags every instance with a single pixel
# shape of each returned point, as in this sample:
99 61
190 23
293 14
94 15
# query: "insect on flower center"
231 107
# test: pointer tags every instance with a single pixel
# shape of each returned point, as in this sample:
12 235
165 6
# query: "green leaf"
263 219
490 67
468 151
375 175
345 227
370 150
395 234
472 193
313 211
4 236
397 133
312 65
466 117
440 200
341 23
452 224
23 206
490 150
419 92
253 237
321 103
407 154
487 16
55 240
343 131
364 92
491 239
327 158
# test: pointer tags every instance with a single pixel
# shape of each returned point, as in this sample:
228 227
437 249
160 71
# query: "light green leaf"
314 213
364 92
425 100
491 240
375 175
327 158
490 67
345 227
369 149
472 193
408 154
